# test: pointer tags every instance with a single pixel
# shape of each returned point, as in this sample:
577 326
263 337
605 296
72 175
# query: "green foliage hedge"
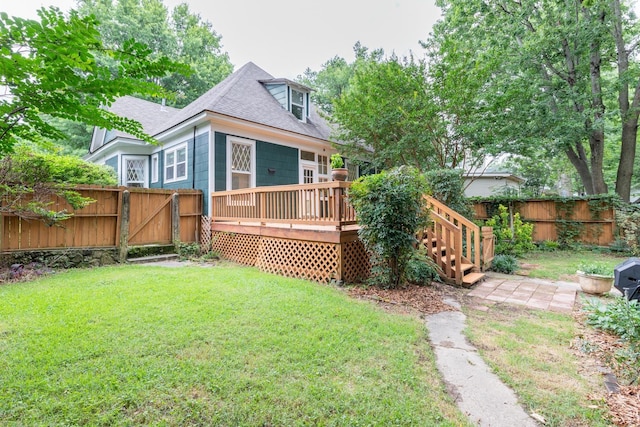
391 210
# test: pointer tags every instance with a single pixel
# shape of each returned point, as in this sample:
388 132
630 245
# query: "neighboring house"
249 130
490 183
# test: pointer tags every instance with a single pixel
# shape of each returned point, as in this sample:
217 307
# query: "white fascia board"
251 130
134 146
180 127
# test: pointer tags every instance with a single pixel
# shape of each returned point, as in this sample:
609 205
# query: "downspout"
193 163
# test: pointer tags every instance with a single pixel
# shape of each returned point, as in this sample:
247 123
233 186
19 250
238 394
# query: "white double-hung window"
240 163
298 103
175 163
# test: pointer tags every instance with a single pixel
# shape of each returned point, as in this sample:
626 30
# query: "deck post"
175 218
124 226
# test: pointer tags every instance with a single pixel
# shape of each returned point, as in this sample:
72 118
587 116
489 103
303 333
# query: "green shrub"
446 186
507 264
188 250
620 317
598 268
512 237
421 269
391 210
548 246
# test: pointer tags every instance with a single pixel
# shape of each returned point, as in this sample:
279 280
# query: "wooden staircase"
458 246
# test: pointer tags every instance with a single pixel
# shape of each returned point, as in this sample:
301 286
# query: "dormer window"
298 104
293 96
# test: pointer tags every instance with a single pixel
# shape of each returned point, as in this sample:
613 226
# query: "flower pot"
339 174
594 283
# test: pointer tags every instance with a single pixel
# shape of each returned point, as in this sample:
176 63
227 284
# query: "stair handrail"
452 246
473 252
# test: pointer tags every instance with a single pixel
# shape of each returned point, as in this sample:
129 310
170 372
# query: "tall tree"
180 35
548 85
392 114
48 67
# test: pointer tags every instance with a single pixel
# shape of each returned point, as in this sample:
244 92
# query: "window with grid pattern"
135 173
175 164
241 167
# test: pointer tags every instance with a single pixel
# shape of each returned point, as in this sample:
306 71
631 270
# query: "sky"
285 37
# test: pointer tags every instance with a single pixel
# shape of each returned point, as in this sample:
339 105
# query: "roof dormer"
292 96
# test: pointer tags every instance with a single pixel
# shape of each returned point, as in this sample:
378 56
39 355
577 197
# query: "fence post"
124 226
175 219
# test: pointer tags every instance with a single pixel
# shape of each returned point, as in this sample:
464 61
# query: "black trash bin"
627 278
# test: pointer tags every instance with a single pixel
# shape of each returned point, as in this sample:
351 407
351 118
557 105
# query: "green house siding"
113 162
221 161
198 172
281 160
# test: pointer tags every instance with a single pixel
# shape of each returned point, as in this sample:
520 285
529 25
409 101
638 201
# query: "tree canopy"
49 67
179 35
554 76
389 111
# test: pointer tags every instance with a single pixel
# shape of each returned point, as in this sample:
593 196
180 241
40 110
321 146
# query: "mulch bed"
424 299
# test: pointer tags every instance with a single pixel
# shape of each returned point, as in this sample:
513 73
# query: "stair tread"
465 266
471 278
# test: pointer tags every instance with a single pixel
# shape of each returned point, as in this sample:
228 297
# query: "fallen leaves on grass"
425 299
625 406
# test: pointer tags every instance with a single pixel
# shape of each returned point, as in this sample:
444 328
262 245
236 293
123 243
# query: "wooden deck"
310 231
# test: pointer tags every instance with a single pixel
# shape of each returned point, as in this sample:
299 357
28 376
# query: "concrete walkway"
477 391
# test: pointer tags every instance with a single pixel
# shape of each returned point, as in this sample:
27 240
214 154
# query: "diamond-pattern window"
241 158
135 172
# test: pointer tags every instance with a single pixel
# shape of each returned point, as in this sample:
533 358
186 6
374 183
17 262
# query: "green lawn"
560 265
209 346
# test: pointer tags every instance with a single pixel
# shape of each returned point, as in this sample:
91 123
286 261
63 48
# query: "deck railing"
321 204
325 204
464 241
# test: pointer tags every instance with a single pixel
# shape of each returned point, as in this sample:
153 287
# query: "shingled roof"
153 117
243 96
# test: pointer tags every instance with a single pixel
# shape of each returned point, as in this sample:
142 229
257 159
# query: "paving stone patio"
534 293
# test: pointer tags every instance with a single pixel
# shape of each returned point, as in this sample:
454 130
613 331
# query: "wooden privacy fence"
565 220
119 217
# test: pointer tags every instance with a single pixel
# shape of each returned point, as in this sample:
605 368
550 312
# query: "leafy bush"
596 268
548 246
421 269
391 210
507 264
620 317
512 238
188 250
446 186
29 180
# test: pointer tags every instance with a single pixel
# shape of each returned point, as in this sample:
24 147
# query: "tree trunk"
596 126
579 161
628 109
627 156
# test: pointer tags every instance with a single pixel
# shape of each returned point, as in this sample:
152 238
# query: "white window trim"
155 168
305 107
251 143
175 149
124 169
